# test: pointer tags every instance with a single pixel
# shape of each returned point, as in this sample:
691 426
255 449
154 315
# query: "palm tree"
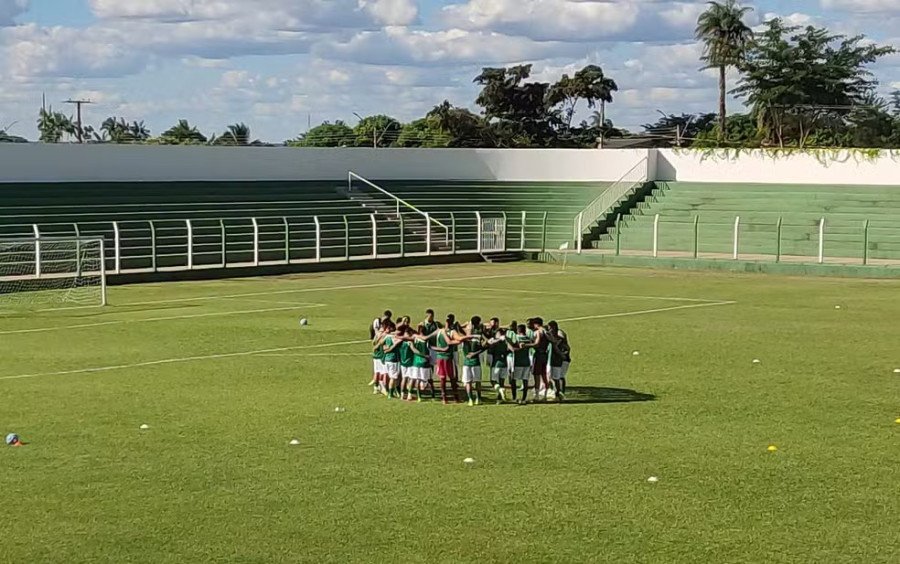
53 125
725 38
183 133
139 131
238 134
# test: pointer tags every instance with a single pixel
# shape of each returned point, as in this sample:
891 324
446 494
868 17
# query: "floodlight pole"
79 132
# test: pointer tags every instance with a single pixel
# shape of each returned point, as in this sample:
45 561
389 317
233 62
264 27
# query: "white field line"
283 350
575 294
335 288
154 319
645 311
182 360
301 355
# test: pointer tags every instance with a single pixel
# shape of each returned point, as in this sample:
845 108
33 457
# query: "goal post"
48 272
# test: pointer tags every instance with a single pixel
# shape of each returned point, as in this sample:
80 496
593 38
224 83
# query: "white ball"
652 479
304 322
469 461
756 361
339 410
897 371
144 427
636 353
837 307
295 442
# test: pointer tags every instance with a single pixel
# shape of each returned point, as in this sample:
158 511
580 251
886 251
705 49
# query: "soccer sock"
524 391
443 388
514 389
562 385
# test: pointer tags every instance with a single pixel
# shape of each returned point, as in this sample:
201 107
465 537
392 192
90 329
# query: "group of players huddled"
408 357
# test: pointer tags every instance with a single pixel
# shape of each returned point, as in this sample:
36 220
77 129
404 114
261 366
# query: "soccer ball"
304 322
12 439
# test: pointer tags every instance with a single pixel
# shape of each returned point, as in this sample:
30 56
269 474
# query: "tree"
799 81
236 135
139 132
6 137
681 129
462 127
53 125
376 131
425 132
589 84
182 133
725 39
519 112
336 134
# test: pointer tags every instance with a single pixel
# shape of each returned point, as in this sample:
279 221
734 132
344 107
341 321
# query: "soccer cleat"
477 401
471 403
502 393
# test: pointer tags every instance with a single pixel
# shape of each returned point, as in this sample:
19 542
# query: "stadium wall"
828 167
124 163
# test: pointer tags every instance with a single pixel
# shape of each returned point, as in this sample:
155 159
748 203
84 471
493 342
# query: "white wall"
71 163
767 167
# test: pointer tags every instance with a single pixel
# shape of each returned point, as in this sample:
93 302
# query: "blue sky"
279 64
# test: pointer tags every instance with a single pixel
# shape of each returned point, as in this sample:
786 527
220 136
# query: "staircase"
503 257
415 226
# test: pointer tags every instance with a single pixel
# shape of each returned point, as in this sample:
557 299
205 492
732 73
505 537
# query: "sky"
279 65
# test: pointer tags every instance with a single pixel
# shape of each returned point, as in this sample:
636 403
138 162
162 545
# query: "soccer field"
225 376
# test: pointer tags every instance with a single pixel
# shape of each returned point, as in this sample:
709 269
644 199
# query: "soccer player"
511 338
454 329
431 328
565 350
499 348
557 357
380 381
473 347
541 358
446 340
392 341
409 379
522 361
421 360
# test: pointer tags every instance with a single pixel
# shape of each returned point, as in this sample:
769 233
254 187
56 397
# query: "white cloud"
9 9
891 6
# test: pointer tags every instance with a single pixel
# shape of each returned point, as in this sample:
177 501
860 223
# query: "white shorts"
471 374
378 365
499 373
556 372
522 373
565 368
423 373
406 371
392 369
488 359
510 364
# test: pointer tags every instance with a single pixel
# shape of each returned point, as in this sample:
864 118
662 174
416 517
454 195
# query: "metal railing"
778 240
397 202
172 245
631 180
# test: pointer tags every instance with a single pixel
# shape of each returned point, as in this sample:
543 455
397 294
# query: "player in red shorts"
446 340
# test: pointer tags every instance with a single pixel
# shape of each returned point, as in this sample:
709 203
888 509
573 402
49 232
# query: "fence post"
255 241
403 237
656 236
37 249
544 234
103 301
453 228
778 229
152 245
117 246
78 249
579 238
224 243
737 230
522 233
427 234
190 244
346 238
696 236
619 236
374 236
505 225
287 241
822 240
865 256
318 238
478 231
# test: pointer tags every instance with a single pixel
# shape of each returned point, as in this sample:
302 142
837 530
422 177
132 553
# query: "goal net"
51 272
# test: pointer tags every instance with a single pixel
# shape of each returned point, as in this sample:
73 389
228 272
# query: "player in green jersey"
408 381
378 336
522 362
392 342
473 347
432 326
421 360
499 347
446 341
541 358
510 358
558 351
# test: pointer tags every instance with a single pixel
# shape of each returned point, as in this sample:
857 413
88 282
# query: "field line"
334 288
154 319
645 311
301 355
576 294
182 360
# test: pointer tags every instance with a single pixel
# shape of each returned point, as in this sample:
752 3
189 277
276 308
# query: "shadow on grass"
590 394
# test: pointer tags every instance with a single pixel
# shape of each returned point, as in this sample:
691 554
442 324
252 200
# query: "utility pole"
79 132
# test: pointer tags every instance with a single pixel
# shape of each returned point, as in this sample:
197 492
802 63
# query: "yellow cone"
773 448
897 421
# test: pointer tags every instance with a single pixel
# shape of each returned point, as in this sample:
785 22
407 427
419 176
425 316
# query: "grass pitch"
225 377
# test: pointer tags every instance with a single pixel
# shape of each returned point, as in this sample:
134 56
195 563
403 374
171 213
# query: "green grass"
215 480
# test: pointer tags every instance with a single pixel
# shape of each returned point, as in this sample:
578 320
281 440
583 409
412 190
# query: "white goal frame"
38 272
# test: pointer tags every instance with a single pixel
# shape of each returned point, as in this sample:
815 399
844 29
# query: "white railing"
635 177
399 203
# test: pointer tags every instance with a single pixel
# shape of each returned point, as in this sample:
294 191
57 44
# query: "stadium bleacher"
760 207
